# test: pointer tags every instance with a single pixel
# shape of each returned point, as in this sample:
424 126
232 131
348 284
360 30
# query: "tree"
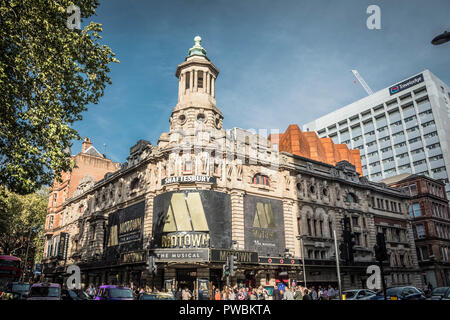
48 75
22 220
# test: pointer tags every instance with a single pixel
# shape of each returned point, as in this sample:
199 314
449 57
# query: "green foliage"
19 215
48 74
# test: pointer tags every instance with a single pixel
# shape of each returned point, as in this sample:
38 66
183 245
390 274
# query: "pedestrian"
331 292
325 294
179 294
314 293
298 294
288 294
217 295
276 294
186 295
306 295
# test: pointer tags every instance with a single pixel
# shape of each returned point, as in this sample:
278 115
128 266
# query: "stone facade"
238 182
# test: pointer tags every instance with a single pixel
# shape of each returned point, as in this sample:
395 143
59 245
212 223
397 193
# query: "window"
188 80
200 79
414 210
134 184
55 195
351 197
261 179
188 166
50 224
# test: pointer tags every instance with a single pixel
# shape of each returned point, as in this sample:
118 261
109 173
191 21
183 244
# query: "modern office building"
404 128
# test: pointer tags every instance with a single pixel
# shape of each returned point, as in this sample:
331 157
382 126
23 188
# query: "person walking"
217 295
298 294
331 292
314 293
186 295
306 295
288 295
276 294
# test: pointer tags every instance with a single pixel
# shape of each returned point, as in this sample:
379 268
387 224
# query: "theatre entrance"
186 278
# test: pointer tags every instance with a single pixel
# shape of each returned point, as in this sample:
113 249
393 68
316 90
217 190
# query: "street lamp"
442 38
300 237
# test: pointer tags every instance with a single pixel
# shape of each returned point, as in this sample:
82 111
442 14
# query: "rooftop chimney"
86 144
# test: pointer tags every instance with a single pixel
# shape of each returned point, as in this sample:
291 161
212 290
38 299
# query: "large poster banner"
264 225
124 231
192 219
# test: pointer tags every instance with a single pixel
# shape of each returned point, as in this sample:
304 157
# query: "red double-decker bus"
9 270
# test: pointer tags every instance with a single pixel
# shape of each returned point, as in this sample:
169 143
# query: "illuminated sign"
189 179
405 84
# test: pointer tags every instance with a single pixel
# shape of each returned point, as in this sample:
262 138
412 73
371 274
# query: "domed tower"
196 92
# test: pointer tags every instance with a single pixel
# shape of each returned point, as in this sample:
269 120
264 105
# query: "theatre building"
203 192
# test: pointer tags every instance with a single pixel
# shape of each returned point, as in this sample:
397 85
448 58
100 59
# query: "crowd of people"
280 292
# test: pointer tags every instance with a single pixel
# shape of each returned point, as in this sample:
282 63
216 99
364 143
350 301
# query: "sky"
281 62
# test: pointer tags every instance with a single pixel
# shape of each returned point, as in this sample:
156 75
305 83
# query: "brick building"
203 191
90 166
431 225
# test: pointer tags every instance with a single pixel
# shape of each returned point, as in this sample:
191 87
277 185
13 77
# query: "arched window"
261 179
351 197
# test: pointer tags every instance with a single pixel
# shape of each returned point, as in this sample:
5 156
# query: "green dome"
197 49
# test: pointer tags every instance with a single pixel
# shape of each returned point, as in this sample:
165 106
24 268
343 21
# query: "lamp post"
300 237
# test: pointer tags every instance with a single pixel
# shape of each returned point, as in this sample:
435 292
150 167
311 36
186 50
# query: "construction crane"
363 83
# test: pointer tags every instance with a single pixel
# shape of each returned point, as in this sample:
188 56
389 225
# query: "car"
19 290
113 292
400 293
45 291
440 293
358 294
74 294
156 296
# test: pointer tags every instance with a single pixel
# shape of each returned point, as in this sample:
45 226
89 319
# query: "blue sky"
280 62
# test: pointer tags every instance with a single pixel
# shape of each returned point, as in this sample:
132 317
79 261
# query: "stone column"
213 93
191 81
148 219
237 218
289 233
207 77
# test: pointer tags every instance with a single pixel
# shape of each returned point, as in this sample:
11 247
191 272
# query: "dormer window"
261 179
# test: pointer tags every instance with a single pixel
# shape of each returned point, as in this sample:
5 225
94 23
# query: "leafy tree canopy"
22 220
48 75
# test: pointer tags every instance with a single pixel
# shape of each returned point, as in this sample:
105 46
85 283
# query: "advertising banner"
264 225
124 232
192 219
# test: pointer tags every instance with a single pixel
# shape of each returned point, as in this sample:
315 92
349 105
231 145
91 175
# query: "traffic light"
233 264
226 269
152 268
380 248
343 253
351 247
